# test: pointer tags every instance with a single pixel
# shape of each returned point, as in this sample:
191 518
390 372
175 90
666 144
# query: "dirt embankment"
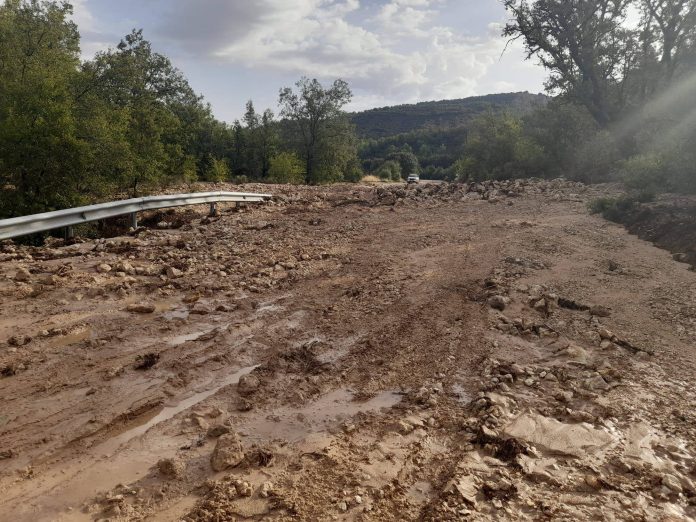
670 223
484 352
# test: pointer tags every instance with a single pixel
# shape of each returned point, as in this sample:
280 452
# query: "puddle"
71 338
177 313
170 411
328 412
59 494
181 339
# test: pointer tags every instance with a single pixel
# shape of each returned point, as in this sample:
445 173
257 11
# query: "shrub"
618 209
286 167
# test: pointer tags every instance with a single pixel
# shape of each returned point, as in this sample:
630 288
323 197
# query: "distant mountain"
439 115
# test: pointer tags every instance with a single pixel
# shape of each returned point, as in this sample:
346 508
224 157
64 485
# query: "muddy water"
324 414
170 411
122 459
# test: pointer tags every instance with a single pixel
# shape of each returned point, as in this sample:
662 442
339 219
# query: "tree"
595 59
150 92
40 147
316 113
218 170
286 167
407 160
268 141
582 44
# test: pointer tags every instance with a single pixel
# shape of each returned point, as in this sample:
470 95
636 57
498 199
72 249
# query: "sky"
389 51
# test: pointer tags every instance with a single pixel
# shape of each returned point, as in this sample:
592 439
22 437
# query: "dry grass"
371 179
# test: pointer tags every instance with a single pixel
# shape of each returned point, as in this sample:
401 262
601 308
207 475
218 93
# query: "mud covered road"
352 353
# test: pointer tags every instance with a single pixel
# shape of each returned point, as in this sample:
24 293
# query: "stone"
600 311
173 273
228 452
672 483
23 275
171 468
498 302
141 308
605 334
266 489
49 280
19 340
343 506
103 268
466 487
248 384
217 431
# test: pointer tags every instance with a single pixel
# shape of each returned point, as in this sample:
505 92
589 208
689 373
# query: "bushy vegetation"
128 122
622 109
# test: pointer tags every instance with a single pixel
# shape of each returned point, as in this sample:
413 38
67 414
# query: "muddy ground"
352 353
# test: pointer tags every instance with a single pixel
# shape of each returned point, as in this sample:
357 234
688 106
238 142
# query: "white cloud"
397 54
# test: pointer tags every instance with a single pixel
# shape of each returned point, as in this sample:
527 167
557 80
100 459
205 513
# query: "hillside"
445 114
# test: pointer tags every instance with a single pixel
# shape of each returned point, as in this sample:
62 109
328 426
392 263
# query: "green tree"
40 147
218 170
268 141
327 139
286 167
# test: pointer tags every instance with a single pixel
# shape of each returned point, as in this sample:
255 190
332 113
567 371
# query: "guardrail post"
134 220
68 233
213 210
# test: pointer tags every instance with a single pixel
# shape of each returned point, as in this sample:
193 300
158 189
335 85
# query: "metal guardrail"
25 225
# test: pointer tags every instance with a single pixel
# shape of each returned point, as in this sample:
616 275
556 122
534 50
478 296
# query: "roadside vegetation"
127 122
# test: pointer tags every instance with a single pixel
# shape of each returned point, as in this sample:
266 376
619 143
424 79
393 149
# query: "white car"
413 178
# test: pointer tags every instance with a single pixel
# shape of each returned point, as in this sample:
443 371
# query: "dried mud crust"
479 352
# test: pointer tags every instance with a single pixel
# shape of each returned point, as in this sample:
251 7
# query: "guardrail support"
213 210
68 233
134 220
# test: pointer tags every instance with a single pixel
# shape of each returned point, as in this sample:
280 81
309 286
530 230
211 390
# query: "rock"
49 280
680 257
244 405
23 275
600 311
173 273
529 382
171 468
125 267
672 483
343 506
540 305
228 452
266 489
498 302
103 268
217 431
200 422
19 340
605 334
465 487
248 384
596 383
141 308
